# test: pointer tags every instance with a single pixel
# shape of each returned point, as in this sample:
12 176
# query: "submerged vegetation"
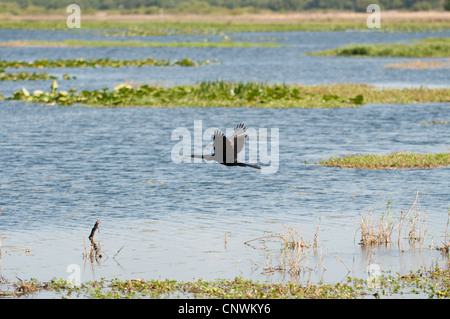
390 161
235 94
95 63
431 47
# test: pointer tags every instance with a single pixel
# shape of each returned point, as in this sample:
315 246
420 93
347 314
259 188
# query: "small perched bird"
226 150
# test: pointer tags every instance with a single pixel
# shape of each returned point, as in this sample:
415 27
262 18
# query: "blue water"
62 168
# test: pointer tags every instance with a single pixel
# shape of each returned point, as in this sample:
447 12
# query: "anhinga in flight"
226 150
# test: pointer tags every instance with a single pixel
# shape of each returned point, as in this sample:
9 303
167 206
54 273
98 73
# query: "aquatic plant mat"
390 161
432 283
96 63
234 94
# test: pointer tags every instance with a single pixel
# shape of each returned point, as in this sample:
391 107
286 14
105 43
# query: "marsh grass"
410 226
228 22
293 258
95 63
400 160
445 248
235 94
431 47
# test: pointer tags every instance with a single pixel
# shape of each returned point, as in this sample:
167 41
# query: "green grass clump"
94 63
84 43
390 161
431 47
234 94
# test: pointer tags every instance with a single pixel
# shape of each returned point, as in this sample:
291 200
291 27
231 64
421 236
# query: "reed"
411 226
293 257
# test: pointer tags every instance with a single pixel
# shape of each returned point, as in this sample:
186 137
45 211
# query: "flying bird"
226 150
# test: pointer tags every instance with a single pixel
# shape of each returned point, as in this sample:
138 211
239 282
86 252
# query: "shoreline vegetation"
95 63
430 47
433 283
129 24
233 94
390 161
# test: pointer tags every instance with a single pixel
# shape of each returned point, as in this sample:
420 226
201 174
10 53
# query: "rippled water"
62 168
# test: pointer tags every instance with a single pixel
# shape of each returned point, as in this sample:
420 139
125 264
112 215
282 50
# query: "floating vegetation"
84 43
97 63
26 76
235 94
432 283
390 161
419 65
435 122
431 47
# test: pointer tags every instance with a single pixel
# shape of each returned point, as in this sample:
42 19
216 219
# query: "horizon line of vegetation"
430 47
154 28
398 160
101 62
233 94
85 43
216 6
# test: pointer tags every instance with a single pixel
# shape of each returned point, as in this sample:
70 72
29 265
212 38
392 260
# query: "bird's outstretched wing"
223 150
237 140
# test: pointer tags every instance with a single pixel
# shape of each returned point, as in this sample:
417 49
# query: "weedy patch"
99 63
293 258
233 94
431 283
26 76
390 161
410 226
431 47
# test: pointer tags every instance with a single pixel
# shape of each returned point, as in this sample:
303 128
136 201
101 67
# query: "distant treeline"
204 6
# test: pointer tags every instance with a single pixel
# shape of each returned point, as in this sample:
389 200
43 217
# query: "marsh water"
62 168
